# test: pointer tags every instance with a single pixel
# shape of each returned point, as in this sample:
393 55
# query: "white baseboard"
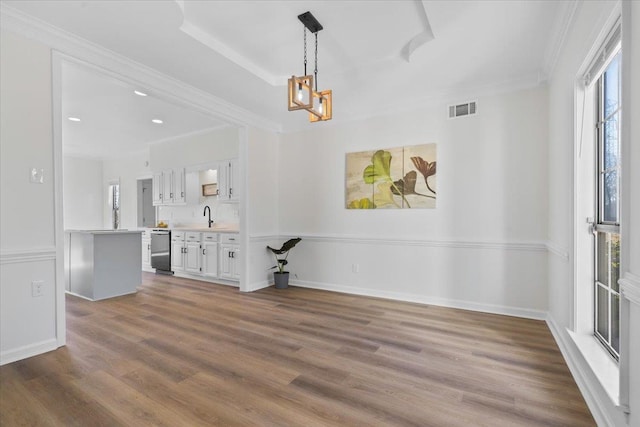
30 350
256 286
424 299
577 368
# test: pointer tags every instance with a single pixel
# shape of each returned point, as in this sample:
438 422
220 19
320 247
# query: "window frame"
608 228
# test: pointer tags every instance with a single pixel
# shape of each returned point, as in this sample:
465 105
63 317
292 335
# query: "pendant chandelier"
303 91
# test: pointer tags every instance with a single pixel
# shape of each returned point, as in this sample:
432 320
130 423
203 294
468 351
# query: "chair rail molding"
630 286
557 250
28 255
394 241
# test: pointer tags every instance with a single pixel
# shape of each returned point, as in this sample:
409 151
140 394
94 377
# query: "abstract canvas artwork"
393 178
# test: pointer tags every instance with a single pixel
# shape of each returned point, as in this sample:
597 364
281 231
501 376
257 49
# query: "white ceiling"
114 120
243 51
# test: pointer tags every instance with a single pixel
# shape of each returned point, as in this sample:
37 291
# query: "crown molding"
558 37
81 49
207 39
425 36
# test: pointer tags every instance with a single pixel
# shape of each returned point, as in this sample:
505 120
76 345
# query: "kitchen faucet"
205 213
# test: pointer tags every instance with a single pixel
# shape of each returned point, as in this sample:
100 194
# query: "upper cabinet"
215 180
169 187
229 180
157 188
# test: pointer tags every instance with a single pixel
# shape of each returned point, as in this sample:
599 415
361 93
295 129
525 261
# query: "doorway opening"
146 210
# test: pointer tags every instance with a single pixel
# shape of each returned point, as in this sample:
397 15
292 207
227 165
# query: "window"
607 225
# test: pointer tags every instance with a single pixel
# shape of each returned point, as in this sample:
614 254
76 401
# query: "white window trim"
612 376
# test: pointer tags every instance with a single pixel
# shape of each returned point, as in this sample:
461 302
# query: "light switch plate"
37 176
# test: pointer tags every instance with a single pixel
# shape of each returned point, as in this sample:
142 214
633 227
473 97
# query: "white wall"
126 170
27 211
490 215
588 23
195 149
261 206
83 195
631 220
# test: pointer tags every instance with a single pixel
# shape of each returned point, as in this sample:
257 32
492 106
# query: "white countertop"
215 229
105 231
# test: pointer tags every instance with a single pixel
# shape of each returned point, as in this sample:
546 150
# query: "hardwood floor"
188 353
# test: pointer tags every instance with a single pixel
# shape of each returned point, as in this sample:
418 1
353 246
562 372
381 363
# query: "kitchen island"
102 264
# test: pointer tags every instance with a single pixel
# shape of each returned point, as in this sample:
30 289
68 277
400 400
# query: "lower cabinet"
208 255
210 259
177 250
230 257
146 251
185 252
192 256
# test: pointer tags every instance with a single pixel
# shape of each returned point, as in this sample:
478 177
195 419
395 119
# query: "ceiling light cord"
316 70
305 50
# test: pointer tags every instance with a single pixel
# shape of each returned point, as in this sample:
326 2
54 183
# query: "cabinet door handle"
204 252
149 246
161 195
230 192
233 254
171 195
182 194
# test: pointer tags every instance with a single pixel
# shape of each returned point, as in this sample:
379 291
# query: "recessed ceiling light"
137 92
157 121
74 119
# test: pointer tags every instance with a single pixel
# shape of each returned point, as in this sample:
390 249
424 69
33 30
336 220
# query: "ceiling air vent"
460 110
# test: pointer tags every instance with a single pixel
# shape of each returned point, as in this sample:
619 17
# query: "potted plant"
281 277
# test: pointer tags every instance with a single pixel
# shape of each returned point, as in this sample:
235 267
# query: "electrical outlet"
355 268
36 288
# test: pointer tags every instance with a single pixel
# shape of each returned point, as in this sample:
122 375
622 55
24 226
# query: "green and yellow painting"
394 178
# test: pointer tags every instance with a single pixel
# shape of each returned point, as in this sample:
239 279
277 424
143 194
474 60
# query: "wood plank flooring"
188 353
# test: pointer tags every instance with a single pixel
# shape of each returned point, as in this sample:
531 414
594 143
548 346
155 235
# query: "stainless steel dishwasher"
161 251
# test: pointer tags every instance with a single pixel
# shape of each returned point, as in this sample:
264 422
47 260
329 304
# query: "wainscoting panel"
20 338
497 277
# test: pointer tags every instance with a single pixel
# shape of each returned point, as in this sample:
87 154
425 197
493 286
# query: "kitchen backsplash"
177 216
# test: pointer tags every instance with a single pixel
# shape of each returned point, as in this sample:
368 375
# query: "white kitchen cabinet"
157 185
169 187
228 180
234 180
177 251
210 254
192 257
179 186
230 257
146 251
185 252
